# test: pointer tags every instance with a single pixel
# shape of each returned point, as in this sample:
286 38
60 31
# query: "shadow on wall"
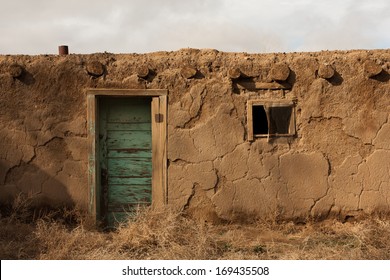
26 78
336 79
40 173
32 183
383 76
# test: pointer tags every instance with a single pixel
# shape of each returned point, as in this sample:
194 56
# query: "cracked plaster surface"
381 141
50 166
219 135
188 107
305 178
186 176
365 124
374 175
337 163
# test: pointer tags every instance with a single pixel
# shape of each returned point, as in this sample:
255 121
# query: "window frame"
268 104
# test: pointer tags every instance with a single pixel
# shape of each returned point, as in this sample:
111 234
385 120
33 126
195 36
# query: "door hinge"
158 118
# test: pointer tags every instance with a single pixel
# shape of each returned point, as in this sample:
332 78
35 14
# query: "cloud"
362 25
39 26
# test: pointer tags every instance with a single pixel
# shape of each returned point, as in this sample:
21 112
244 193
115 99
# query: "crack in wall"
50 140
316 201
187 204
218 178
380 128
323 118
191 122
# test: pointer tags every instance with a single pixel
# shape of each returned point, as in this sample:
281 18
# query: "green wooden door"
125 156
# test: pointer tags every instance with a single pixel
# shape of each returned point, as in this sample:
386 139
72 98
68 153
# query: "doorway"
127 165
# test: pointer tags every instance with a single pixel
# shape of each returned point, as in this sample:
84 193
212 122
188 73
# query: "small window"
270 119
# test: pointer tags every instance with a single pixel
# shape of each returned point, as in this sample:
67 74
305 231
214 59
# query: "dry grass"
166 235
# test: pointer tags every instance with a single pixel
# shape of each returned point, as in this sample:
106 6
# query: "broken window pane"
279 120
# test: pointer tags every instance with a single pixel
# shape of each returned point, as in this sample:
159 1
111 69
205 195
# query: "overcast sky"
127 26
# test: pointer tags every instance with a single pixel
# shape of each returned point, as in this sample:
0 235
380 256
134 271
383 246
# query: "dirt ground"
69 234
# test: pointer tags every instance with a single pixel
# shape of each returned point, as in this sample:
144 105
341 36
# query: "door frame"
159 143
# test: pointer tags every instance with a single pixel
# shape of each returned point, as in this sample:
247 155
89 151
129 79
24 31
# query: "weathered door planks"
125 141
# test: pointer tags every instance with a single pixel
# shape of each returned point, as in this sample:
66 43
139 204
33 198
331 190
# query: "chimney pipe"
63 50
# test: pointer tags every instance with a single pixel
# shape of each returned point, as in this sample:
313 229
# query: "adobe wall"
338 163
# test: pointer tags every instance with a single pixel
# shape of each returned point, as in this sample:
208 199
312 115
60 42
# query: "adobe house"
220 135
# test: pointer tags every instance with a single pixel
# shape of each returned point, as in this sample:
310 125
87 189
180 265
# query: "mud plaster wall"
337 164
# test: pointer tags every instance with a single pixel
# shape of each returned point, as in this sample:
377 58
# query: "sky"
141 26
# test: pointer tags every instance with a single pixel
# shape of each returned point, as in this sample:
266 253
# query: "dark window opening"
260 122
